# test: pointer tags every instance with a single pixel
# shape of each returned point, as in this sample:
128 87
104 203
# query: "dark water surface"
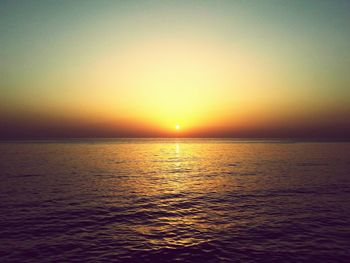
174 201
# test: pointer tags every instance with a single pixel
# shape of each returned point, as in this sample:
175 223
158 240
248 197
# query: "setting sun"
163 131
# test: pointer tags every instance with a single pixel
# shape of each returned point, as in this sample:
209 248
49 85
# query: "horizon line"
284 139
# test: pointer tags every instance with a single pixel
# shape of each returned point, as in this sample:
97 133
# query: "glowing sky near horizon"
142 67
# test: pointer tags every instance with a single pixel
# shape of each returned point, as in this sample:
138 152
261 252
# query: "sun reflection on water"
176 197
174 186
173 177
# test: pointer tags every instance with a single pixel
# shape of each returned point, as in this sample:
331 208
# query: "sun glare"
177 127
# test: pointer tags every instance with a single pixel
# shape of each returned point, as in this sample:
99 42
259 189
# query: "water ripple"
174 201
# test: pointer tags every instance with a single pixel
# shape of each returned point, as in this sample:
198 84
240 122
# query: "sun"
177 127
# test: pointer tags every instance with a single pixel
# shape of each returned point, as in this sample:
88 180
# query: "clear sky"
141 68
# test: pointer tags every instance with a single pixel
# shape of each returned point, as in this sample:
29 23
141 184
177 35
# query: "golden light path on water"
161 200
173 174
180 191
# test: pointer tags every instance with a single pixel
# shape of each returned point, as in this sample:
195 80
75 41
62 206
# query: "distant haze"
272 69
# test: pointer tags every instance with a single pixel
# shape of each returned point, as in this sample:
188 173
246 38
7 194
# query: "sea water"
174 200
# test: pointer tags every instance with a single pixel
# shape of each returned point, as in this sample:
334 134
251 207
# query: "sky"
142 68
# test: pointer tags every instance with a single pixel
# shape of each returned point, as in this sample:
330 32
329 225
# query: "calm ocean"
173 200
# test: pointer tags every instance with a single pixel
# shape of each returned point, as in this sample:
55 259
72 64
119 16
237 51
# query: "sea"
174 200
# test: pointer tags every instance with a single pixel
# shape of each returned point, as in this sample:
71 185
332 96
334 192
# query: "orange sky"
139 69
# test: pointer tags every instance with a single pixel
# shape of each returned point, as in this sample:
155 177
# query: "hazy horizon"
242 69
